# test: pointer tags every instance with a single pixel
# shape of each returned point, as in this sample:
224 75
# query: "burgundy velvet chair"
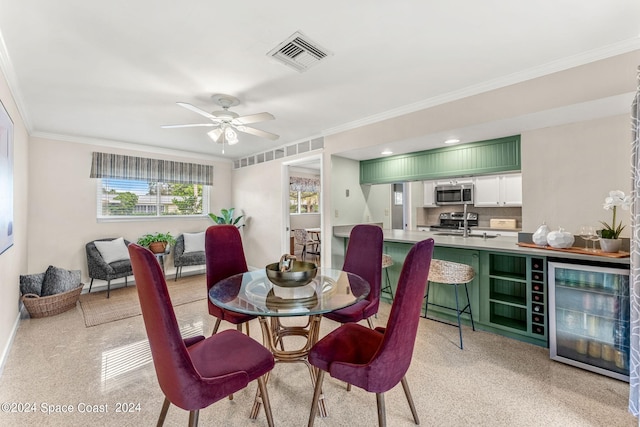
195 372
377 359
364 258
224 257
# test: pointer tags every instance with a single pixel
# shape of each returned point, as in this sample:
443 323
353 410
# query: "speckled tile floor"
104 375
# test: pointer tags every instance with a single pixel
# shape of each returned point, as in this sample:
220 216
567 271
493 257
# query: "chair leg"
216 326
316 397
458 314
108 287
370 322
473 326
387 286
193 418
407 392
265 400
382 415
175 279
426 301
125 282
163 412
90 285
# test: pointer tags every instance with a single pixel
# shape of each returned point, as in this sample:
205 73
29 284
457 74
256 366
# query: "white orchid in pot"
612 231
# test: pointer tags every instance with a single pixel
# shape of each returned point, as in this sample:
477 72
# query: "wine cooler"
589 311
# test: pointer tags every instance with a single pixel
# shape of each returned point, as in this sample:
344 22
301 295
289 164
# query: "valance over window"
105 165
297 183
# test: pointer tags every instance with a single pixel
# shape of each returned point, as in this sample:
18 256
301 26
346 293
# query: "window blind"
107 165
297 183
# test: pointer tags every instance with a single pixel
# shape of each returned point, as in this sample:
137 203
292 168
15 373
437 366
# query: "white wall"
62 211
567 171
262 202
13 261
307 220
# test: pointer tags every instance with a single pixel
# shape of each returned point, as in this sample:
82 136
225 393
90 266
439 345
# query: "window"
304 202
131 198
131 187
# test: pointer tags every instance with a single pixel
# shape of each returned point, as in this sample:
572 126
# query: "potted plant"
610 234
157 242
226 217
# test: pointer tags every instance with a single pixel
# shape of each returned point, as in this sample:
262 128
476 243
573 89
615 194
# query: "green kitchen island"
509 292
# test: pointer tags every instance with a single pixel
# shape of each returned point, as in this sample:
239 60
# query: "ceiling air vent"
298 52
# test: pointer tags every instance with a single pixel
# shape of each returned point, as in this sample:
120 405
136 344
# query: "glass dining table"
253 293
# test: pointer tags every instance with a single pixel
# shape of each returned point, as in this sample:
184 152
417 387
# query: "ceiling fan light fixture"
215 134
230 136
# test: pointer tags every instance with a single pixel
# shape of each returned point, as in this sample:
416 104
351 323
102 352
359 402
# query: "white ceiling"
114 70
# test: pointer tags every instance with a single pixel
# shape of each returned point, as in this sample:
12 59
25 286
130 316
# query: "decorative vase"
560 239
610 245
540 236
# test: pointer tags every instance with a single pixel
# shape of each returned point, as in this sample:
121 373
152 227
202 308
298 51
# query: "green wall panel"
483 157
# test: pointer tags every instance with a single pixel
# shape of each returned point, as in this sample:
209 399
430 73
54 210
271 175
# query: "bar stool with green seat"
456 274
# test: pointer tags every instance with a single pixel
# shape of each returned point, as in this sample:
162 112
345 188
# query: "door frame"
286 224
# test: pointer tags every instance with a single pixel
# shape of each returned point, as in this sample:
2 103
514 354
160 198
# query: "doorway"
397 206
302 206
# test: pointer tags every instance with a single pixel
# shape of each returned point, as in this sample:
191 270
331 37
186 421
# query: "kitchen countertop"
496 244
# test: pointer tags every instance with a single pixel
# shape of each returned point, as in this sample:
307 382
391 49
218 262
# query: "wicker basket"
51 305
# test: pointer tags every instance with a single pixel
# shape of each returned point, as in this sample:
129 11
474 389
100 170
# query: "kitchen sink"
482 236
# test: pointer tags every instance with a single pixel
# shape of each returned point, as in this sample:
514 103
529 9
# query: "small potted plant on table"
157 242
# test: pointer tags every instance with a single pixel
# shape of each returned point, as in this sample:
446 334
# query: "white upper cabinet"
498 190
429 194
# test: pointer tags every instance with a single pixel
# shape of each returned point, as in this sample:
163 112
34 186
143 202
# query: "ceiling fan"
226 122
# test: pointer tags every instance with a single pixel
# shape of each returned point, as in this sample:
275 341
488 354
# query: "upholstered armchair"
100 269
182 258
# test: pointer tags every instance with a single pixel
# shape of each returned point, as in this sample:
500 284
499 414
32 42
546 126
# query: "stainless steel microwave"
457 194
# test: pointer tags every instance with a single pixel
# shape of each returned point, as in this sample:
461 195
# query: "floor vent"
299 53
279 153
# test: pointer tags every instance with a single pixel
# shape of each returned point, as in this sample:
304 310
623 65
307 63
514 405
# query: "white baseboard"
7 348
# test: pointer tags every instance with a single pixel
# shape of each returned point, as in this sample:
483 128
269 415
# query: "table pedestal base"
273 332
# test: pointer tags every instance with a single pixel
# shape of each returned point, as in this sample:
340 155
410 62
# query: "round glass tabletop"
253 293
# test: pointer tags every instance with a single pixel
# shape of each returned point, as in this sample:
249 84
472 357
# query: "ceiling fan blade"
254 118
197 110
258 132
191 125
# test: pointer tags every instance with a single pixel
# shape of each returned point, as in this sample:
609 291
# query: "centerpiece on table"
610 235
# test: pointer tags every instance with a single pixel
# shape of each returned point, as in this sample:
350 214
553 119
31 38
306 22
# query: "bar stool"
387 261
451 273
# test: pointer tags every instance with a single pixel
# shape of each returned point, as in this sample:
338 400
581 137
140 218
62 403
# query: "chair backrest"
176 374
394 355
224 254
300 235
178 247
364 258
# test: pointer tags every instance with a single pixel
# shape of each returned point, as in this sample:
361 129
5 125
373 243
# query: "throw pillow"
31 284
112 250
194 242
58 280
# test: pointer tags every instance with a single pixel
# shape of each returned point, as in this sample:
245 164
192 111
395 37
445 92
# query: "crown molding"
123 145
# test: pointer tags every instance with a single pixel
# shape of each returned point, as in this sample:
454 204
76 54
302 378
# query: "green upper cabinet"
477 158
